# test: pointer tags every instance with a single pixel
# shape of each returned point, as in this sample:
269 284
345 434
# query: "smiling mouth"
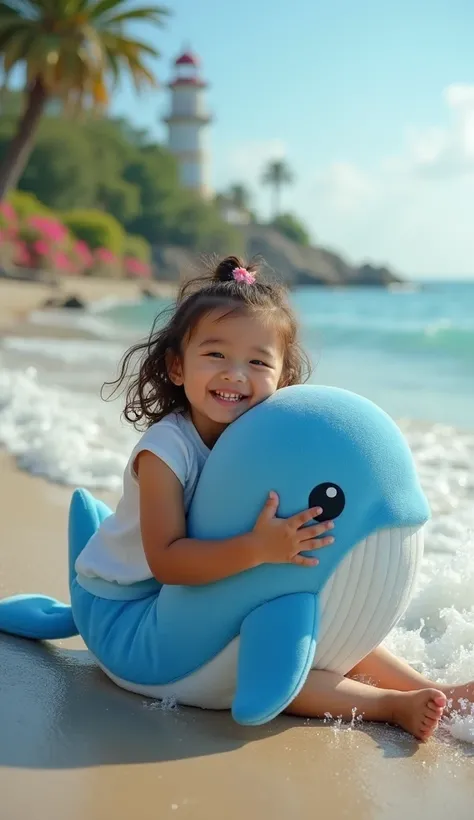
227 397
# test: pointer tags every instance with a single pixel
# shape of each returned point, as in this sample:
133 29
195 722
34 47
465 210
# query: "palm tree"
71 50
239 196
277 174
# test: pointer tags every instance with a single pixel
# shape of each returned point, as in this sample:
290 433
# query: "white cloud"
244 161
415 210
250 157
448 151
345 187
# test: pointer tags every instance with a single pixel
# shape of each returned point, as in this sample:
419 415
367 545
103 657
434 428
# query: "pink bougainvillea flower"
22 255
62 262
48 228
7 211
105 255
83 252
135 267
41 247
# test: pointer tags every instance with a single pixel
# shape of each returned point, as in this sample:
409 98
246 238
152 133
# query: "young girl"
231 342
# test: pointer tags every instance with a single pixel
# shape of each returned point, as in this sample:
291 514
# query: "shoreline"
20 298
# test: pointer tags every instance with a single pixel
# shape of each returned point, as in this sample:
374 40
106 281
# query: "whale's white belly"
360 604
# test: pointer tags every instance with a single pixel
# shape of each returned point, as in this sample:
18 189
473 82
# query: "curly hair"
151 395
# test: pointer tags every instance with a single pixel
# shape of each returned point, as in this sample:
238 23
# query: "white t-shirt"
115 552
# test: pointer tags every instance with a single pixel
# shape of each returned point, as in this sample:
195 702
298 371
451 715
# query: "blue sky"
371 102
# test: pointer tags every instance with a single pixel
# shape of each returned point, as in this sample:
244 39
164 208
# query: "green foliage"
277 174
61 178
239 196
154 172
96 228
27 205
12 102
119 198
290 226
137 247
198 226
107 167
72 51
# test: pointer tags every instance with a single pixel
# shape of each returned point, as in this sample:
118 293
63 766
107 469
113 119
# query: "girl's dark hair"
151 395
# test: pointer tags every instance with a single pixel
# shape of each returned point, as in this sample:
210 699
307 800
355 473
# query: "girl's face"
229 364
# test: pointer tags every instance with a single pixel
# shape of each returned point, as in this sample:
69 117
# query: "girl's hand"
280 540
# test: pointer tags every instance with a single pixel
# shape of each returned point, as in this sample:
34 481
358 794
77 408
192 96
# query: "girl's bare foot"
419 712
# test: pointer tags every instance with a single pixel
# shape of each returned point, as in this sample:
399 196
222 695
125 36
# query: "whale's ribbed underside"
360 604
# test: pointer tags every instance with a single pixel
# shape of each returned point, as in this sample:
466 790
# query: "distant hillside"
295 264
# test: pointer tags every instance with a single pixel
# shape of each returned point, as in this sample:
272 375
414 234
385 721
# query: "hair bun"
225 269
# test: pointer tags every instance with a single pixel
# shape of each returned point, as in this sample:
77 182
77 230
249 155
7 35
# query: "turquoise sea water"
411 351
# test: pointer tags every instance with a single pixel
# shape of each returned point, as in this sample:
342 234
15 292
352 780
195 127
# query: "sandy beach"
74 745
20 298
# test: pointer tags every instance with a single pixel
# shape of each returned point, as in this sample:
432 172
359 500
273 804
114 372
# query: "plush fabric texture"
313 446
360 604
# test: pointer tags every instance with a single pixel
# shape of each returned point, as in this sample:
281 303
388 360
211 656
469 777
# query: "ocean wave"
432 338
68 351
68 437
91 322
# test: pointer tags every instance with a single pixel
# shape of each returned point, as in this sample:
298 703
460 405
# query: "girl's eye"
216 354
260 363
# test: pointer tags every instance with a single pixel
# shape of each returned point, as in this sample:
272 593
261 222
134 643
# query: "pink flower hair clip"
243 275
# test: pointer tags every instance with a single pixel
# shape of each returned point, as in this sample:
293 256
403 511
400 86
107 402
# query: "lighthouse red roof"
188 58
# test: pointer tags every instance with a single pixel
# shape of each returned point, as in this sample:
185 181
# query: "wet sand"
19 298
74 745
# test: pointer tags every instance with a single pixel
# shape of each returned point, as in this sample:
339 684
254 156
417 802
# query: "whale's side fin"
38 616
277 646
85 516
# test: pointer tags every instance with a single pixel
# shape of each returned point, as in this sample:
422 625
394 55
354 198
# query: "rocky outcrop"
70 302
286 260
300 265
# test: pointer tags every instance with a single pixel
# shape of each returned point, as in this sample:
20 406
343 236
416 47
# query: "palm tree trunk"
276 199
19 149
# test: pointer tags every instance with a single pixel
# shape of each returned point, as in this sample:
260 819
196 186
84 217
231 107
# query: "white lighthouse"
187 124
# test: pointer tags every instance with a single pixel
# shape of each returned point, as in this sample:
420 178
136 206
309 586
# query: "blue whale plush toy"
249 642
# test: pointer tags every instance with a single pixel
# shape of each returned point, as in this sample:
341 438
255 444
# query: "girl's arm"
175 559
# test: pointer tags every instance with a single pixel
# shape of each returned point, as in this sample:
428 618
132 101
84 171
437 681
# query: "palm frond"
9 15
8 32
20 8
102 7
87 51
151 13
277 172
127 45
16 49
63 9
113 63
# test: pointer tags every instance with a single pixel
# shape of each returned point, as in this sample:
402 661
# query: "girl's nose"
235 374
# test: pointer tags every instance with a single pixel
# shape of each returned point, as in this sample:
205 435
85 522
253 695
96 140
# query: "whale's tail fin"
38 616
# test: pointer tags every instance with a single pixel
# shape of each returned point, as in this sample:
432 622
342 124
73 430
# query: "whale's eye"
330 497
